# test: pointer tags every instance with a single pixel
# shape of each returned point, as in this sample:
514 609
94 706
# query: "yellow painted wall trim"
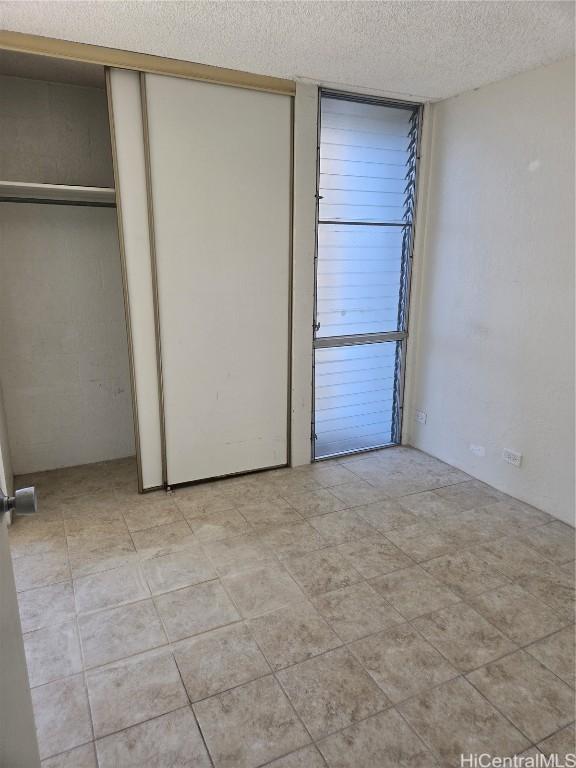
142 62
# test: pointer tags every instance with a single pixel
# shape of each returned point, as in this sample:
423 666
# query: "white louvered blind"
354 397
366 188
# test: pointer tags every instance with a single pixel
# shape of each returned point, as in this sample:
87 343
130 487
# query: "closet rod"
45 201
57 194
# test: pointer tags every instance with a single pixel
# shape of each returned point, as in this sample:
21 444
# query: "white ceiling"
422 50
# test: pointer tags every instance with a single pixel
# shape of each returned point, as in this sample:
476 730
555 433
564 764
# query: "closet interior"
64 371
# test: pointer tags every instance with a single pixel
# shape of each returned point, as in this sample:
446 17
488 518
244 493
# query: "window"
366 192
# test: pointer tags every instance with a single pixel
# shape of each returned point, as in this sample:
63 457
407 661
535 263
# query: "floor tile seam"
505 656
272 671
203 632
467 599
369 535
438 582
413 728
453 550
292 752
334 546
244 621
69 674
96 528
55 625
96 667
498 659
48 584
413 493
316 741
316 490
466 595
115 605
548 669
141 722
120 659
278 683
149 527
275 498
450 661
426 688
308 599
157 526
308 658
562 727
293 707
190 706
555 563
551 634
76 746
341 647
121 604
225 537
448 485
150 594
302 596
269 674
91 741
229 689
532 742
325 545
89 668
85 557
311 595
539 596
490 704
384 600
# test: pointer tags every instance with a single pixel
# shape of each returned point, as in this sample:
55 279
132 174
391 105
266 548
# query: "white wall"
54 133
492 329
63 349
63 344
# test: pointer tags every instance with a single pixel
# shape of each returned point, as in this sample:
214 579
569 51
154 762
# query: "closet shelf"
22 191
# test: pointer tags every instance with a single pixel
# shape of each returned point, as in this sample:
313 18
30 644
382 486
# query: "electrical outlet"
477 450
421 417
512 457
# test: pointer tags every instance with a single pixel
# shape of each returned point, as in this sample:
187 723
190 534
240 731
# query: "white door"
220 161
18 745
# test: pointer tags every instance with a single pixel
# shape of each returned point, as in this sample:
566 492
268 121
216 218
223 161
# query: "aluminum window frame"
400 335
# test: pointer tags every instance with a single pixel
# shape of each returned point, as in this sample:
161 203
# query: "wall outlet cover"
512 457
421 417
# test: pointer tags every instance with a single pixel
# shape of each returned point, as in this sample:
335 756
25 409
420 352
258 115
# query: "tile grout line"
307 597
191 708
280 561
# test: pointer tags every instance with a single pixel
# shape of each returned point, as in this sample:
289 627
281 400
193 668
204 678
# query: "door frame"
18 740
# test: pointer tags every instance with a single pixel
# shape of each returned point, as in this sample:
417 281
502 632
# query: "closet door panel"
130 170
220 161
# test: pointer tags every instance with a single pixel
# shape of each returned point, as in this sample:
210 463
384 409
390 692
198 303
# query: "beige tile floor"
377 611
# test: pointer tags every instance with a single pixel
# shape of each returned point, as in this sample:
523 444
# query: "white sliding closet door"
220 161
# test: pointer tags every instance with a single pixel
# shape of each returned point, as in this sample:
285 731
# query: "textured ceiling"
423 50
